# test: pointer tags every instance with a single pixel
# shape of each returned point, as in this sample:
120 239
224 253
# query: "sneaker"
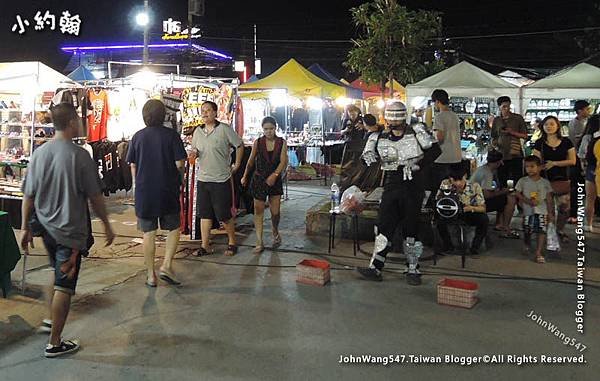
369 273
67 346
46 326
413 279
588 229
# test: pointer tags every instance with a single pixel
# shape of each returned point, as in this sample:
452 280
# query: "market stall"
373 104
557 93
473 94
296 98
26 91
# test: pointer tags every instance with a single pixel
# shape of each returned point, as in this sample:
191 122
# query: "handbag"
559 187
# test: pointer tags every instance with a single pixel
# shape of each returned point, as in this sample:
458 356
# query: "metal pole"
255 46
190 22
146 34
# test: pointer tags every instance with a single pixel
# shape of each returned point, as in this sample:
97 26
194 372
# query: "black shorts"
215 200
169 222
59 255
496 204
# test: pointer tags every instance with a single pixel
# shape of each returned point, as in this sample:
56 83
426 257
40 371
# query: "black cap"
580 105
494 156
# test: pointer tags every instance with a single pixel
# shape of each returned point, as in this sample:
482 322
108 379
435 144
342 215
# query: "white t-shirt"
534 189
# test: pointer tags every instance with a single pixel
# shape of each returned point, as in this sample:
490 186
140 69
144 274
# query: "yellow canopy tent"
298 81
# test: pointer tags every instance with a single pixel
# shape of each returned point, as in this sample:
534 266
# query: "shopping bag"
552 241
352 201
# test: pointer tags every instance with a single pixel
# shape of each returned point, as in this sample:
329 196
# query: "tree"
394 42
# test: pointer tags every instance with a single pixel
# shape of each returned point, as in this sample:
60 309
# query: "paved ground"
246 318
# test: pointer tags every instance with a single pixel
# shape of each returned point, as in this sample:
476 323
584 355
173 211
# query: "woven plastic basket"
313 272
457 293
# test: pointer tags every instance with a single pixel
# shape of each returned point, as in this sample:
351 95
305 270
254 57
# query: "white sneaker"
588 228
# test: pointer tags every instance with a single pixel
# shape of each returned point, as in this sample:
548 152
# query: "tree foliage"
394 40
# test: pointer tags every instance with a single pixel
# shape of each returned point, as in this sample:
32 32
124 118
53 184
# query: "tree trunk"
391 80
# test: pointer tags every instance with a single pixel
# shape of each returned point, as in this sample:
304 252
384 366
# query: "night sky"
229 23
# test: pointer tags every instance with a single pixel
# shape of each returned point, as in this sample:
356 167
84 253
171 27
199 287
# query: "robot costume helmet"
395 112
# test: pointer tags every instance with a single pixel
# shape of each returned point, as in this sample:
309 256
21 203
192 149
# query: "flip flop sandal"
258 249
540 260
168 277
511 235
231 250
277 240
202 252
497 229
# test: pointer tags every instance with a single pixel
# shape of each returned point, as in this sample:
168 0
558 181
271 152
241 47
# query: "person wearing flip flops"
536 197
213 142
157 155
269 154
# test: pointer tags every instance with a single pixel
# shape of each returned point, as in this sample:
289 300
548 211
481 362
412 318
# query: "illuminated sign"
172 31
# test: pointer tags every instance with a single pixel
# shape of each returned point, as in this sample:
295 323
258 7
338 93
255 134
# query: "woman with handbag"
558 155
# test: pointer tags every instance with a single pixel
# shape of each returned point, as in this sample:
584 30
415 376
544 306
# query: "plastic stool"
332 221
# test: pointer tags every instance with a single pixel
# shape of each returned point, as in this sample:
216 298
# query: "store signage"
193 98
172 31
68 24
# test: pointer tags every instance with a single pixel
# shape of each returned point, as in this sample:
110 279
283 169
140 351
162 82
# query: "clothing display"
98 119
111 168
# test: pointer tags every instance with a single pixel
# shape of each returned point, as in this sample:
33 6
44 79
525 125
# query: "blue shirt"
154 151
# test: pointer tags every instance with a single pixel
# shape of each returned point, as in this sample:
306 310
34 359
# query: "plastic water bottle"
335 198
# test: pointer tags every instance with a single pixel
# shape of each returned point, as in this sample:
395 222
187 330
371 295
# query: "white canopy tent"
463 80
20 75
30 79
579 81
515 78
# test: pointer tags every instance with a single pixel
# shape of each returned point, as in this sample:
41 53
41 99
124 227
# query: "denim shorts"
535 223
590 175
169 222
59 255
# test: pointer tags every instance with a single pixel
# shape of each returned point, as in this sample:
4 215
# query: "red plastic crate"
459 293
313 272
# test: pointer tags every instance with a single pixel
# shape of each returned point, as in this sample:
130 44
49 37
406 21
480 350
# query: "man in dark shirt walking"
157 159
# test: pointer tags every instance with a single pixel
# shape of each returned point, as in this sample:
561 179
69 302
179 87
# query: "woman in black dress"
558 155
269 153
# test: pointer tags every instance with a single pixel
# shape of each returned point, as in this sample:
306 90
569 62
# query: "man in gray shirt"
213 142
577 125
61 177
446 127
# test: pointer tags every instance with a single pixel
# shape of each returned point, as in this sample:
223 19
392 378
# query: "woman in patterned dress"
269 153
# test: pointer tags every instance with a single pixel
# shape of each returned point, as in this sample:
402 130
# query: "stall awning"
515 78
18 76
371 90
464 80
81 74
319 71
298 81
579 81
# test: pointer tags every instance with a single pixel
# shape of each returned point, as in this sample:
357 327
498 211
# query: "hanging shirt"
98 119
